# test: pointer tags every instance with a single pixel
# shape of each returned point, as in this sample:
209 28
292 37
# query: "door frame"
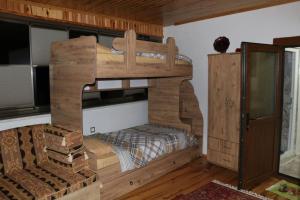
284 42
295 95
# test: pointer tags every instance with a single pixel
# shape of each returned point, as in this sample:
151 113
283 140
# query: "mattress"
136 147
112 55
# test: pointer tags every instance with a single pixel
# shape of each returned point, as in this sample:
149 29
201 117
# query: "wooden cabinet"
224 109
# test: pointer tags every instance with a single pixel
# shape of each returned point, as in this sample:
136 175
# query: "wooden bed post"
172 51
130 46
73 65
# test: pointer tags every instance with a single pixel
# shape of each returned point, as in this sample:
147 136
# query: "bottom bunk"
128 159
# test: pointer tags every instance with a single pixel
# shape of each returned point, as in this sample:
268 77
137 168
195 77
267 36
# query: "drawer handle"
131 182
226 160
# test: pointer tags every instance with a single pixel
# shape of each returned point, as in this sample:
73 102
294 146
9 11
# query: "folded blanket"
97 147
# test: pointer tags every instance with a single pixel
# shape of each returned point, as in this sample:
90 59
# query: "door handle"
247 120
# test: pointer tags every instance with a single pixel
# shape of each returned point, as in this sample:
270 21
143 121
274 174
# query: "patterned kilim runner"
217 190
286 190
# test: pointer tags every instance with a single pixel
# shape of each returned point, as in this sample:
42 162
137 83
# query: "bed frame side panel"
163 103
190 109
73 65
172 102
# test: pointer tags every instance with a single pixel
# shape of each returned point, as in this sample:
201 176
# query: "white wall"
104 119
196 39
24 121
113 118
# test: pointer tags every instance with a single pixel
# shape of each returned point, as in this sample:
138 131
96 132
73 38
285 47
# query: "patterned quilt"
139 145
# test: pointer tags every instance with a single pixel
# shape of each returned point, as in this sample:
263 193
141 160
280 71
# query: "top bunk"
80 63
129 58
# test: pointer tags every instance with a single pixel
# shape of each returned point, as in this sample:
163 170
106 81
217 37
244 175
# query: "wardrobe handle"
226 101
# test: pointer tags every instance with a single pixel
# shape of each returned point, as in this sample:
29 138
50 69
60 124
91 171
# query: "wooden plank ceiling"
144 16
163 12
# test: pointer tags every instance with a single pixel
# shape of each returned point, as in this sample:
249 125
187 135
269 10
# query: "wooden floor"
187 179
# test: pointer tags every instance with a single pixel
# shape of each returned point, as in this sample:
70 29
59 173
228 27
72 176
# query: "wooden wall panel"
71 16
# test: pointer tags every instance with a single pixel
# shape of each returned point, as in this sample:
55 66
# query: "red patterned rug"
216 190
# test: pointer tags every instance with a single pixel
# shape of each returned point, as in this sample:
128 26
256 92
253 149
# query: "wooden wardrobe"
224 89
245 98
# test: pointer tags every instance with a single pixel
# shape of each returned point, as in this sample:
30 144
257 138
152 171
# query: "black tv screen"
14 40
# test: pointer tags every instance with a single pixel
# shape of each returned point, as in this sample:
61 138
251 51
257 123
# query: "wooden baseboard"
115 183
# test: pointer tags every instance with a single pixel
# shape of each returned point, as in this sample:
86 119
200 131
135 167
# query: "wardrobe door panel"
216 118
232 85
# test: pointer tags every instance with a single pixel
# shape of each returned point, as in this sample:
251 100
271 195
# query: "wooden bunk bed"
172 103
